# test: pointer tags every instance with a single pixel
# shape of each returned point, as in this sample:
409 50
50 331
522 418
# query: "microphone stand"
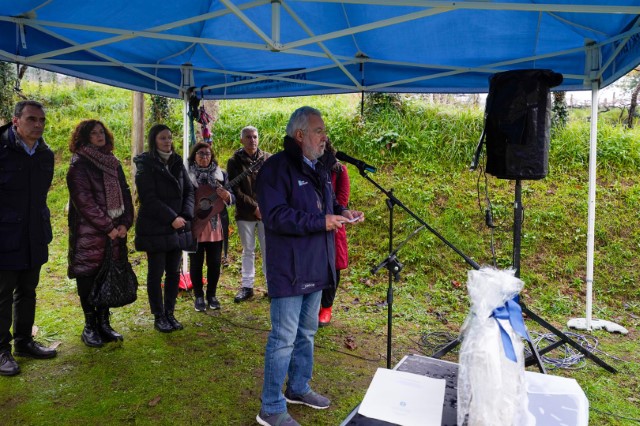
391 262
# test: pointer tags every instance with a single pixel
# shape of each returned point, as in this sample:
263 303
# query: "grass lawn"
211 372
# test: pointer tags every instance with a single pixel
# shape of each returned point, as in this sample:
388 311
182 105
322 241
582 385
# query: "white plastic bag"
491 386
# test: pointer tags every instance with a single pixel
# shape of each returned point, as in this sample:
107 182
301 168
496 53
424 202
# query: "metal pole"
593 152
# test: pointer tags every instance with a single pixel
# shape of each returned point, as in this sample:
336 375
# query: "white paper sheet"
405 399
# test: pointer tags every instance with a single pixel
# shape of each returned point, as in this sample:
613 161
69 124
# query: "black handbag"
116 284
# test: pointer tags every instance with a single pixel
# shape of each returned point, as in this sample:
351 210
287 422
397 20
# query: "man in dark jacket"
26 172
248 217
297 205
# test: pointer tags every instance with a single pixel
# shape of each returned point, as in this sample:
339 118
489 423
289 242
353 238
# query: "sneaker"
243 294
213 303
199 304
279 419
310 399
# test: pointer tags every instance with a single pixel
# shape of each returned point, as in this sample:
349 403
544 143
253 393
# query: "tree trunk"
137 133
633 105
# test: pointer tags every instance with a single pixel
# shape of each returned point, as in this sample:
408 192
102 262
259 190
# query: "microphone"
361 165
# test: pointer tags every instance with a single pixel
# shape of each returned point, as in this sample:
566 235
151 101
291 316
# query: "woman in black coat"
163 226
100 213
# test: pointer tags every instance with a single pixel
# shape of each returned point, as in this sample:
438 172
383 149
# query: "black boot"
175 324
161 324
107 333
90 335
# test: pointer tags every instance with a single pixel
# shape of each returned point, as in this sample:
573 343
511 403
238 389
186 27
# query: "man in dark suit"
26 172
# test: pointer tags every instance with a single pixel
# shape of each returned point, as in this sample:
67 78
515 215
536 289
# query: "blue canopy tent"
265 48
268 48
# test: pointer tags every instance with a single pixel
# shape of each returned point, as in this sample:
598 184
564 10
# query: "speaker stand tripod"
534 358
563 338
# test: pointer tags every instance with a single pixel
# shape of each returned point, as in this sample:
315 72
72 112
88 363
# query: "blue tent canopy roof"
264 48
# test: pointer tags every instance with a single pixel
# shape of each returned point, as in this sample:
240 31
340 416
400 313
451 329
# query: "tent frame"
273 42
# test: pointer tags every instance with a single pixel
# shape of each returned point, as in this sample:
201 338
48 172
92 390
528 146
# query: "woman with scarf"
212 199
163 226
100 213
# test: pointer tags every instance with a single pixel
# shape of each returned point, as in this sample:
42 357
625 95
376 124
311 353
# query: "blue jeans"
289 352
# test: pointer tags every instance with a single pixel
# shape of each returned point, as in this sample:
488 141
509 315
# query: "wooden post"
137 133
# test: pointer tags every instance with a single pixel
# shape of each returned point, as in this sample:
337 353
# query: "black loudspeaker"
517 123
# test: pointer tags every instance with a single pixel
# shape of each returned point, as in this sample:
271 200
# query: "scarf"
108 164
164 156
211 175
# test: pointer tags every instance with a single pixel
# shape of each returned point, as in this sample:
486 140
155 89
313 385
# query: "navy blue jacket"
25 220
165 192
294 200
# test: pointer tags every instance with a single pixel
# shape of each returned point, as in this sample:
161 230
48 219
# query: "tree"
7 83
160 110
631 83
559 109
634 103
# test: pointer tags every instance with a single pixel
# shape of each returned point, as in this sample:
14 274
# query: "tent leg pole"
588 323
593 144
185 156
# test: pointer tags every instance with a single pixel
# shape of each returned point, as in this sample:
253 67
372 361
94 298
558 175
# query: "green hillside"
210 373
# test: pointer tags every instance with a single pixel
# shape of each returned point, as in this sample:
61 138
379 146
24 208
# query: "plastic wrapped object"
491 385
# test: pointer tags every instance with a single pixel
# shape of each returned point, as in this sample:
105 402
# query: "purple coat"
89 223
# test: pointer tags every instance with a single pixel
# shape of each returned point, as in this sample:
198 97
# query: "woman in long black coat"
100 213
163 226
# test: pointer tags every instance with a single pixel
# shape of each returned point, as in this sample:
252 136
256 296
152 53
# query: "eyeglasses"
203 154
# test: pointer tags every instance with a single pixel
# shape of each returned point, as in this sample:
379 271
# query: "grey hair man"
300 215
247 212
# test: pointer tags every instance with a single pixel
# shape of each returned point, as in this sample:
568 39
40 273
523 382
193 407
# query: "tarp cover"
268 48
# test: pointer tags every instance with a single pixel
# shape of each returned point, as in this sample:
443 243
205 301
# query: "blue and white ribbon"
512 312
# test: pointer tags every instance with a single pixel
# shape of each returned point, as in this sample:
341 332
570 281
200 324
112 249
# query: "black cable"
433 342
380 357
572 359
487 212
265 330
614 415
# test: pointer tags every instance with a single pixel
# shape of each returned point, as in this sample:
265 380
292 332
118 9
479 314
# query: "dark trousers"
213 253
224 219
85 284
329 294
17 305
159 263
